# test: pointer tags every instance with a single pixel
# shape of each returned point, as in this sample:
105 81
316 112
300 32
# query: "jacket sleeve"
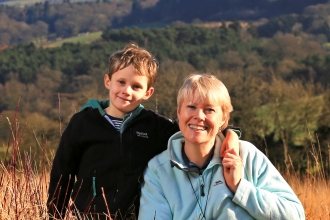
63 172
263 192
153 204
165 129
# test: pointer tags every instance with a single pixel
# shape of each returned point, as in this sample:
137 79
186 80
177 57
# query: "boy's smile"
126 91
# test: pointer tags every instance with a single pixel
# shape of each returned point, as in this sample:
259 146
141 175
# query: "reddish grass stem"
59 112
106 204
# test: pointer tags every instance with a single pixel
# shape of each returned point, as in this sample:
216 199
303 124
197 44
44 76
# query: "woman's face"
199 122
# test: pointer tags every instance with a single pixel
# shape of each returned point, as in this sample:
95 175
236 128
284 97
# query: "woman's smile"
199 122
198 127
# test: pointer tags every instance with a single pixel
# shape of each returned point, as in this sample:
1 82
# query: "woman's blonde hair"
206 87
141 60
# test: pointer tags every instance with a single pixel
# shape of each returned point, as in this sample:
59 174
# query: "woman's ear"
178 111
224 120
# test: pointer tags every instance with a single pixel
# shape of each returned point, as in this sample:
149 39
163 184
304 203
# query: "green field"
22 3
83 39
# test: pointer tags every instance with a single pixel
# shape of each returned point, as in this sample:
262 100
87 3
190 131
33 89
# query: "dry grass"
24 182
23 194
313 188
23 189
314 195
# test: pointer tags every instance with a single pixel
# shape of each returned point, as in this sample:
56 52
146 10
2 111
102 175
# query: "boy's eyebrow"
137 83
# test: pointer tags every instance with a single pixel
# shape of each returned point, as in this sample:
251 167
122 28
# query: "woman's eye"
210 110
191 107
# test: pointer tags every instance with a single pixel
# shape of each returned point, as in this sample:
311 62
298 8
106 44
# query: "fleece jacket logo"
217 182
142 134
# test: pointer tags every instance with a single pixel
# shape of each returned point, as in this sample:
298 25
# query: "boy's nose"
127 90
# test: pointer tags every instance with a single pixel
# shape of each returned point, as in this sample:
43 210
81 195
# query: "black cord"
208 192
196 196
207 198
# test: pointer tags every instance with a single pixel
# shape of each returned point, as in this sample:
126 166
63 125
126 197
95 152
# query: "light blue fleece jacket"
167 192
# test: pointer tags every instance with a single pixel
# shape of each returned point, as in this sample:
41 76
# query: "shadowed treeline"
49 21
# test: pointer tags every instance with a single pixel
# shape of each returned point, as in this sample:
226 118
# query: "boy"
105 147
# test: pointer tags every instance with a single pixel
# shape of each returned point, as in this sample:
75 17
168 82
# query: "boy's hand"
230 141
232 163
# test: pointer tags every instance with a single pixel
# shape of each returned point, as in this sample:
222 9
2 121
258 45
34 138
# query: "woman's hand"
232 169
230 141
232 163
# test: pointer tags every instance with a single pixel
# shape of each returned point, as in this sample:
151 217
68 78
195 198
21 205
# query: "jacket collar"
103 104
99 104
175 152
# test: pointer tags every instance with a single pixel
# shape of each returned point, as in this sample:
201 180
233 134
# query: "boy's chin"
129 109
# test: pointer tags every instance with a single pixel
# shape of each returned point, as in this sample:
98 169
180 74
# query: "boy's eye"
121 81
136 87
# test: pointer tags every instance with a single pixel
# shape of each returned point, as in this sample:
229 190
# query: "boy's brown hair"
142 61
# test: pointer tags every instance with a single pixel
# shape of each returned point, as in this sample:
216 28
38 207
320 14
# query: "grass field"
23 189
24 183
83 39
22 3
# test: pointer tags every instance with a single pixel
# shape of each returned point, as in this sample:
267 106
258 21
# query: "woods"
279 86
48 21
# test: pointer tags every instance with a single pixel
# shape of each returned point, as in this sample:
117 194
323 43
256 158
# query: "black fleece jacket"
93 157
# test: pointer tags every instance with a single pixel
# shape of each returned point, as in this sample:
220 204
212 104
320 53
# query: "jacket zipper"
120 156
120 168
130 149
202 185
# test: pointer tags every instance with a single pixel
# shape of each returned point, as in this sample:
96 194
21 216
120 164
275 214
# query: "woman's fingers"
233 166
230 141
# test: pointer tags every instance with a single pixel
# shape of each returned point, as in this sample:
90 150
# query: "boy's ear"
107 81
149 93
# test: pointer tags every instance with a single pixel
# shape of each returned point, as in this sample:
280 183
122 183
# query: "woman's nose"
200 114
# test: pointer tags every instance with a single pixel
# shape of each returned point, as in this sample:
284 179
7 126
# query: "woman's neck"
197 153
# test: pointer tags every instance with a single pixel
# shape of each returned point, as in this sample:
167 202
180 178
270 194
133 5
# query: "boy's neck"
111 112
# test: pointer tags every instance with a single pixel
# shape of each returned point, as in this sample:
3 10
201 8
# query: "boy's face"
126 91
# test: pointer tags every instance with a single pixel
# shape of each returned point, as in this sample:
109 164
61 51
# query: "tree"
293 112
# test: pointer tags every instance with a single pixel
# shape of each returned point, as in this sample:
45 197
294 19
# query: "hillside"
279 85
47 21
210 10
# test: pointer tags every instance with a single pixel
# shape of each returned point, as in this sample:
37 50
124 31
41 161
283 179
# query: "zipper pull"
202 190
202 185
94 185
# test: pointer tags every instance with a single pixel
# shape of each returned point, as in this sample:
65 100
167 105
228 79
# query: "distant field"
21 3
83 39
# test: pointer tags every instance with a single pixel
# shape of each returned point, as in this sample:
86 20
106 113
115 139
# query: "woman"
190 181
